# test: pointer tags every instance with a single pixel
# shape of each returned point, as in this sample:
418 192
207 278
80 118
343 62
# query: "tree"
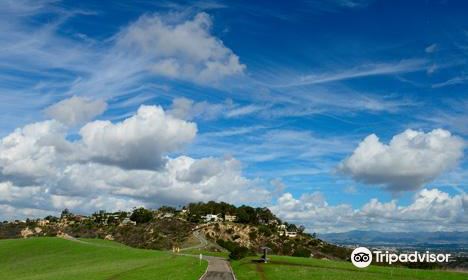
291 227
167 209
65 213
122 215
301 229
51 218
141 215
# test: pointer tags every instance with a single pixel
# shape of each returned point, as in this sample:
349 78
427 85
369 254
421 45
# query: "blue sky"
286 97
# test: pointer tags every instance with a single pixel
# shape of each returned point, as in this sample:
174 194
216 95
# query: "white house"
230 218
287 233
291 233
127 221
282 227
168 215
42 222
211 218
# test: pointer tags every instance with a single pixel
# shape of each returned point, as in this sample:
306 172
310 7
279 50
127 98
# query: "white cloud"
200 170
376 69
430 210
76 110
32 152
114 166
453 118
139 142
188 109
431 48
245 110
51 63
453 81
432 69
179 49
410 160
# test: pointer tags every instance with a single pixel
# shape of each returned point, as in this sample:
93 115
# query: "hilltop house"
230 218
168 215
287 233
42 222
283 231
211 218
282 227
80 218
127 221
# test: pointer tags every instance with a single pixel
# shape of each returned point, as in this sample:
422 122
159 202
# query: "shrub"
302 252
253 235
264 230
141 215
239 252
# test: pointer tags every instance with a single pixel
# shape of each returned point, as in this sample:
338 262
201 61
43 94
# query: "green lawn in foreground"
291 268
89 259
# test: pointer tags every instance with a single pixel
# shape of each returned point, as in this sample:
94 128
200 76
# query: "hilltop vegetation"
58 259
242 230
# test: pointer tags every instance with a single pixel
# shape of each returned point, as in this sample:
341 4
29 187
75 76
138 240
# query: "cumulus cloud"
76 110
139 142
31 153
410 160
180 49
430 210
200 170
113 166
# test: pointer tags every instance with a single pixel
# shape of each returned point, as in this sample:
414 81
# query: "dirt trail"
260 271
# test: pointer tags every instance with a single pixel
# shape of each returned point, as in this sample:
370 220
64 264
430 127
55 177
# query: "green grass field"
302 268
58 259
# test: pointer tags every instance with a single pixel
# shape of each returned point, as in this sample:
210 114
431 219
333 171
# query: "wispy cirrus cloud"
366 70
40 58
450 82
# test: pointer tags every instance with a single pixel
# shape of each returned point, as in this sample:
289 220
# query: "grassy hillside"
306 268
57 259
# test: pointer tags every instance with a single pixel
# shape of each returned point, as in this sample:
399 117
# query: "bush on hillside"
141 215
302 252
237 252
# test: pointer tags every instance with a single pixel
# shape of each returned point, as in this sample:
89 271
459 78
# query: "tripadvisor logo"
362 257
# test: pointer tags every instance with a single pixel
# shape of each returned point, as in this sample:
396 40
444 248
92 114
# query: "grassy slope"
57 259
301 268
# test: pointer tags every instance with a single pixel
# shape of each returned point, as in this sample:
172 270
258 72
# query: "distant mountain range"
397 238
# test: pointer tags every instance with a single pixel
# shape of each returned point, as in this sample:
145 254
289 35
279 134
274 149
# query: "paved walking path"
218 269
200 238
